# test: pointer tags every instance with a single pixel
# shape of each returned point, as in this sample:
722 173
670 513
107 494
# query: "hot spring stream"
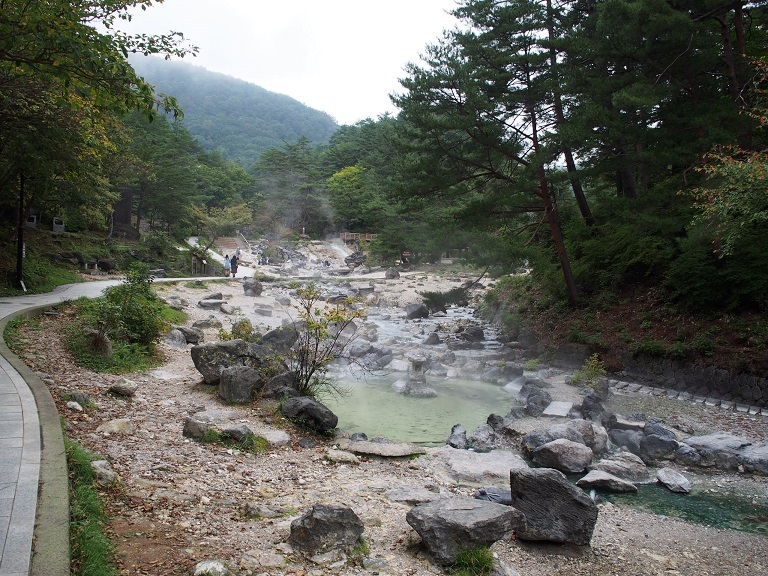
372 406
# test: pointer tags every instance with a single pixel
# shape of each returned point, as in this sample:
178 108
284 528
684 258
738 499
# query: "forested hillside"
238 117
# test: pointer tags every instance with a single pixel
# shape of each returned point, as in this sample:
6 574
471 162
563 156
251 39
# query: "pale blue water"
374 408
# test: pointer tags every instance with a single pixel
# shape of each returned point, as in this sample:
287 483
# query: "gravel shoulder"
181 501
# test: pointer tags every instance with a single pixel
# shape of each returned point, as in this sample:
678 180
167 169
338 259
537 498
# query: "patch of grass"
473 561
92 551
590 374
173 316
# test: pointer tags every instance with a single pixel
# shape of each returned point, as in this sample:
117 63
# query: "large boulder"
239 384
311 412
448 526
555 510
280 340
282 385
212 357
325 527
252 287
657 443
191 334
413 311
564 455
729 452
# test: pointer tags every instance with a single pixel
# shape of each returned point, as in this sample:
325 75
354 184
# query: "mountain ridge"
237 117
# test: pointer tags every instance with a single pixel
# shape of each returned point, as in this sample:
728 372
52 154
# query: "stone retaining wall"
704 381
707 381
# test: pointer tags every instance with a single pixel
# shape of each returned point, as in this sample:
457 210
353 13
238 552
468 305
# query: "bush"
130 312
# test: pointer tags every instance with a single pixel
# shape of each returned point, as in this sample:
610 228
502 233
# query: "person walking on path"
233 264
227 265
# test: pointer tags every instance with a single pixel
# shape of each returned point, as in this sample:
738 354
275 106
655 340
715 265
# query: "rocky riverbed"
180 501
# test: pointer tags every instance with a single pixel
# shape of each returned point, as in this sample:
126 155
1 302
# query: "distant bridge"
354 237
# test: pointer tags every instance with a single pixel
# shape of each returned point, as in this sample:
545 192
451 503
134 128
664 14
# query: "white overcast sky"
343 57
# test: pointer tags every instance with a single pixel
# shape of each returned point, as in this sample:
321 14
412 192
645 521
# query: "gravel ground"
180 501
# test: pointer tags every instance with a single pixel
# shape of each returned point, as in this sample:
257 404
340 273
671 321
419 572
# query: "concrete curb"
50 547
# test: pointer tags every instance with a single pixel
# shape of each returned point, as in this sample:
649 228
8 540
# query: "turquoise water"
717 509
374 408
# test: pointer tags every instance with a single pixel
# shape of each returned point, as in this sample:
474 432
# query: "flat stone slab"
482 468
385 449
558 408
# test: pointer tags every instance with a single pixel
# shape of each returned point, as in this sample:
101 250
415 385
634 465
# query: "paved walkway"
34 496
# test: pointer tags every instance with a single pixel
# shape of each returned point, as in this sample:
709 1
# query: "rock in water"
673 480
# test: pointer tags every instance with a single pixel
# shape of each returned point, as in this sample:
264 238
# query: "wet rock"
458 437
555 510
673 480
600 480
625 465
449 526
413 311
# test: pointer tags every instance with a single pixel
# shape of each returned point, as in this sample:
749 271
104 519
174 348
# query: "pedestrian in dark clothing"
233 264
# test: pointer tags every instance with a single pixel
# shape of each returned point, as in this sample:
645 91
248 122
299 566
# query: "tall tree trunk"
570 164
626 185
549 210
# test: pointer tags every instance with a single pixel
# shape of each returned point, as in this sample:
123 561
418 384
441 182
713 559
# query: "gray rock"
725 451
392 274
673 480
211 304
383 449
480 468
433 339
654 447
211 568
555 510
124 387
210 322
413 311
252 287
629 439
195 428
122 426
103 473
192 335
280 340
81 398
483 438
413 496
625 465
311 412
238 432
564 455
212 357
280 386
325 527
448 526
239 384
540 436
599 480
458 437
176 339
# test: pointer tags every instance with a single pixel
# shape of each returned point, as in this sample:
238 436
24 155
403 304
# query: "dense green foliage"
238 118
